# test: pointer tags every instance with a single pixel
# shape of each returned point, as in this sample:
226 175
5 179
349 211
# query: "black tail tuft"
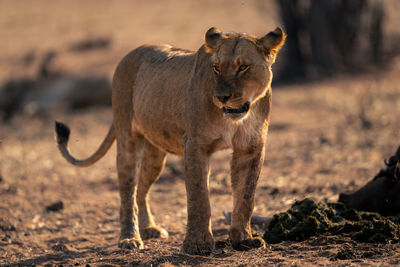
62 132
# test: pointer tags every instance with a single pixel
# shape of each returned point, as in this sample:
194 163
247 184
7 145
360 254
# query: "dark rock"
346 254
57 206
46 94
11 96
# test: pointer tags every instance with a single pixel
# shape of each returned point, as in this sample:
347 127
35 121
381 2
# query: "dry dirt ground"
324 138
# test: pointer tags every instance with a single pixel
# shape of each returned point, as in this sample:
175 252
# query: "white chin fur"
237 118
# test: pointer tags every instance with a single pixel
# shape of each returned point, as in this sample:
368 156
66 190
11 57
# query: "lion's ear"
273 41
213 37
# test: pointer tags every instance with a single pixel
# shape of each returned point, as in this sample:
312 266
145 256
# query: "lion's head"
242 68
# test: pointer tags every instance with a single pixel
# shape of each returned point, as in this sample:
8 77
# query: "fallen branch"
255 219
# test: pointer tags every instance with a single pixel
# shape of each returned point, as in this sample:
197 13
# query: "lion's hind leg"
153 162
129 147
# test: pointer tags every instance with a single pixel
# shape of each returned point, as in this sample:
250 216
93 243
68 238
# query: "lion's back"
149 88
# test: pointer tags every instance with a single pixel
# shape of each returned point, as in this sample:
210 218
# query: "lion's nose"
224 98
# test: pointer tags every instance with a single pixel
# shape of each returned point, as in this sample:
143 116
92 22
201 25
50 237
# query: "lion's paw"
130 243
198 245
153 232
247 244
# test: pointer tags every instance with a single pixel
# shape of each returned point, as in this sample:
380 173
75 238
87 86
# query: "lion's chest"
221 141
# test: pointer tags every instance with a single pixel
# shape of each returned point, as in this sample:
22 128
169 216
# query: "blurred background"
55 54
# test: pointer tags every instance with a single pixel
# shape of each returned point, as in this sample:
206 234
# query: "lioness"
170 100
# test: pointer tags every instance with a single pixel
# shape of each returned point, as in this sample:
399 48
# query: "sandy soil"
324 138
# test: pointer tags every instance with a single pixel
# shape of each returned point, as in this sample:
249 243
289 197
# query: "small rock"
59 247
346 254
57 206
6 226
274 191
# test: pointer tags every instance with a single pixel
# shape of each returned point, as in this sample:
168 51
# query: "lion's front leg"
199 239
245 170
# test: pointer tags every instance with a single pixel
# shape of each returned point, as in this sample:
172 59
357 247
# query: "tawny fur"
169 100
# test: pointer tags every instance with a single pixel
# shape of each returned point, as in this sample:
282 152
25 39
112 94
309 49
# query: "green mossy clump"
307 218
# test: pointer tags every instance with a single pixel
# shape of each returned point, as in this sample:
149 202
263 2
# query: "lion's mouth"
242 109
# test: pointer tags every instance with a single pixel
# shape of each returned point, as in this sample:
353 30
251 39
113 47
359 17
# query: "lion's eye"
243 68
216 69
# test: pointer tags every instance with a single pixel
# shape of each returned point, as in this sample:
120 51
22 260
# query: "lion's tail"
63 132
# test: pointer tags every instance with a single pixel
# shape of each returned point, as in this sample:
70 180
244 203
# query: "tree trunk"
326 37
